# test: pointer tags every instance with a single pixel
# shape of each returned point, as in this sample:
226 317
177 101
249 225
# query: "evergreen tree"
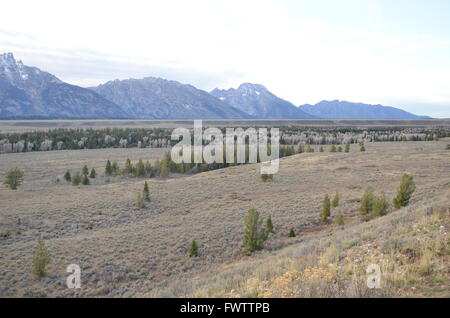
93 174
301 149
380 206
41 259
347 148
67 176
165 170
114 168
292 233
333 148
85 170
362 148
13 178
85 180
128 167
447 147
335 202
140 169
193 249
76 179
108 169
404 192
321 149
366 206
266 177
254 236
310 149
146 192
339 149
269 225
326 209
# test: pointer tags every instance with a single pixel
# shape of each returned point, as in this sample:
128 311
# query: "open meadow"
124 251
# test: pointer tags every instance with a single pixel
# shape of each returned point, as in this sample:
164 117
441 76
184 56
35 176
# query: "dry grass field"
129 252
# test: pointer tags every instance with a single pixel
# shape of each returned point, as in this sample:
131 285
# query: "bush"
193 249
347 148
380 206
326 209
67 176
13 178
321 149
310 149
146 192
404 192
76 179
266 177
339 149
447 147
333 148
93 174
366 206
291 233
339 219
335 202
362 148
41 259
254 236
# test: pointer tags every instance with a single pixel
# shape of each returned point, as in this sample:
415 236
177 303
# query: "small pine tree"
335 202
85 171
114 168
128 167
85 180
269 225
326 209
291 233
108 168
165 171
404 192
310 149
362 148
193 249
380 206
366 206
339 149
140 169
447 147
333 148
76 179
13 178
67 176
146 192
321 149
347 148
41 259
339 219
93 174
254 236
301 149
139 202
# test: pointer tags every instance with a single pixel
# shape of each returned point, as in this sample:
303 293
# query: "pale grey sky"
390 52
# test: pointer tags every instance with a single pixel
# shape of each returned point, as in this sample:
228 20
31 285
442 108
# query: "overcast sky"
394 53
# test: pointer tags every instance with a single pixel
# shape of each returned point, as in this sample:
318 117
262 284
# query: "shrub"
165 170
301 149
326 207
339 219
41 259
114 168
108 168
67 176
93 174
339 149
266 177
140 169
380 206
85 170
333 148
269 225
404 192
291 233
310 149
447 147
254 236
13 178
366 206
335 202
146 192
76 179
193 249
321 149
347 148
85 180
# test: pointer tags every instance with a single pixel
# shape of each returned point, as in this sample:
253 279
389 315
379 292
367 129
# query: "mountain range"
28 92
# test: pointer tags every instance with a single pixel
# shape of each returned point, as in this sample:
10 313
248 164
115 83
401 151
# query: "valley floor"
126 252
